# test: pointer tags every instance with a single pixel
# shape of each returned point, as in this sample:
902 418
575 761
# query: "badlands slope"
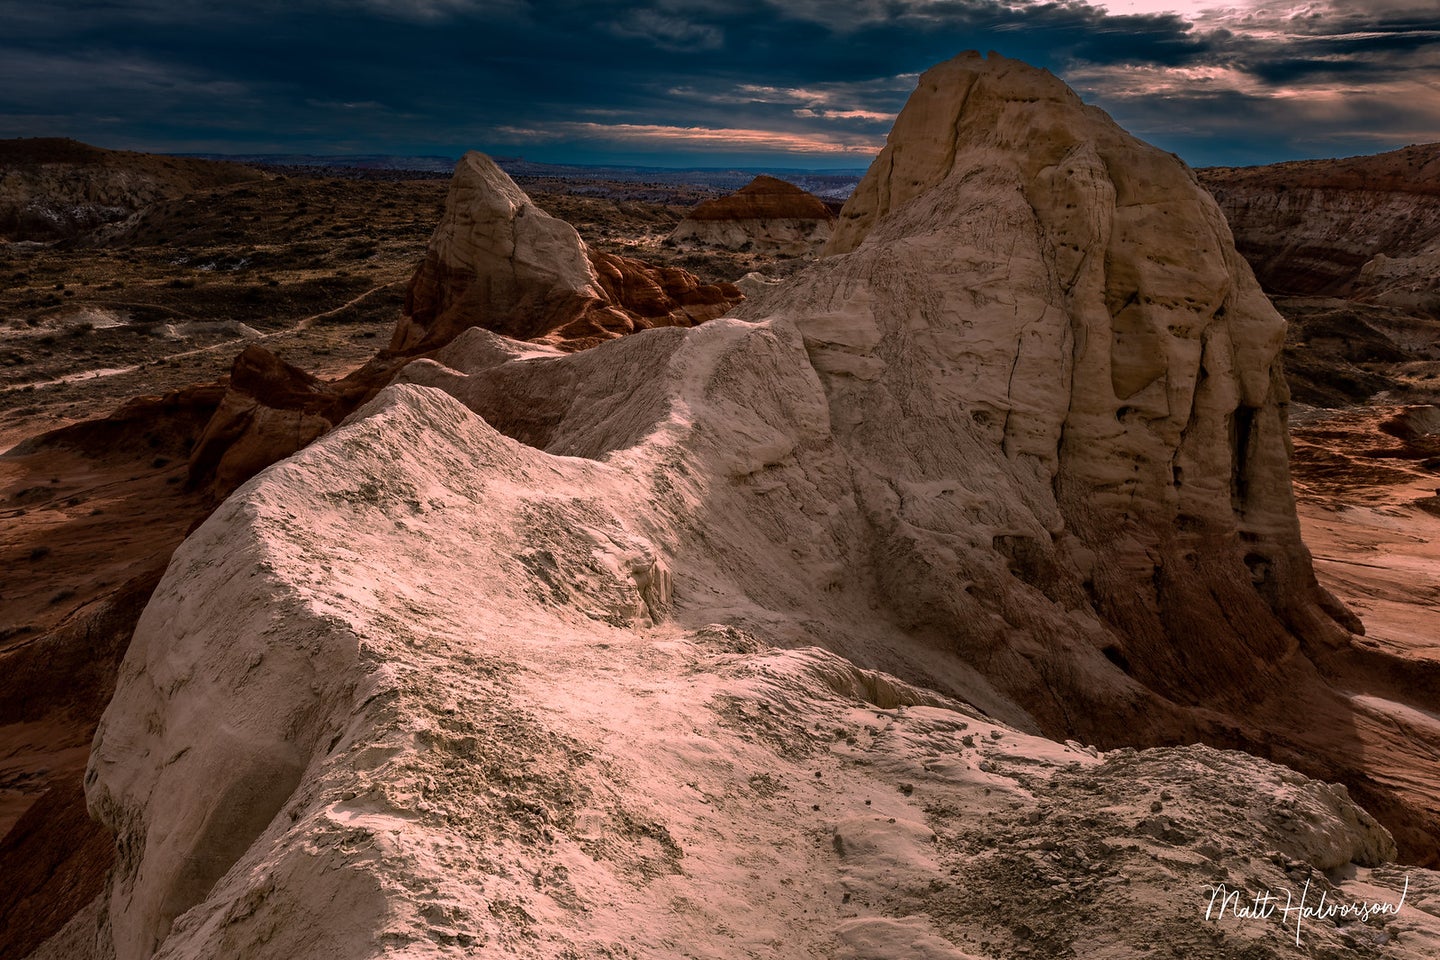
1367 228
746 639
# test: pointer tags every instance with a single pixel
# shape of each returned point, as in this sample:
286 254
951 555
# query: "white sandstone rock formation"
410 693
500 262
756 285
738 640
494 253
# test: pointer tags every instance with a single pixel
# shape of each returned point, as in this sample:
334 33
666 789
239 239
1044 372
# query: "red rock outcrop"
767 214
270 409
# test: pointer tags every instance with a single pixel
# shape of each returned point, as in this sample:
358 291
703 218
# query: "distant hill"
1351 250
53 188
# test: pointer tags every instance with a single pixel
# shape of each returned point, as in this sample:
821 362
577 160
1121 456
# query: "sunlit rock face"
1063 305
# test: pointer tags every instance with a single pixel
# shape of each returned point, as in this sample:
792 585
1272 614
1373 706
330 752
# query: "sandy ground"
1382 557
1374 542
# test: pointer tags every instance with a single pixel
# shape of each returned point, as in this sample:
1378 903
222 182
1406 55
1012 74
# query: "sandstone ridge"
784 616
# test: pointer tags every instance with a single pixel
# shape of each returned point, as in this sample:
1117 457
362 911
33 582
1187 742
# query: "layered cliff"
1366 228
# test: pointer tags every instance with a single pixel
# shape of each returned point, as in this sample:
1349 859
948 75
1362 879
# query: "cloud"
1259 79
692 139
1279 79
110 82
844 115
667 31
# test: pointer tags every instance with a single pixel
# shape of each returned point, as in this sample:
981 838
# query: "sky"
681 83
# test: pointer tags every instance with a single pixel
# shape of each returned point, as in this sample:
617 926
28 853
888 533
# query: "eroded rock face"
494 255
1065 387
53 188
765 215
1366 228
500 262
537 646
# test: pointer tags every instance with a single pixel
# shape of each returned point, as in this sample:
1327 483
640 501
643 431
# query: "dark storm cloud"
654 80
1281 79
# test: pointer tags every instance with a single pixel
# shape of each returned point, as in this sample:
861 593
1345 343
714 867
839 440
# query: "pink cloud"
695 138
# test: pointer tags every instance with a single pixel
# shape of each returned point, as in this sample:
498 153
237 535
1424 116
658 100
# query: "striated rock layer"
592 653
767 215
1366 228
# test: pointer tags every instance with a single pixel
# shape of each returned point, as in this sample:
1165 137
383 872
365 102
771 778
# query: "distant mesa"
768 215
